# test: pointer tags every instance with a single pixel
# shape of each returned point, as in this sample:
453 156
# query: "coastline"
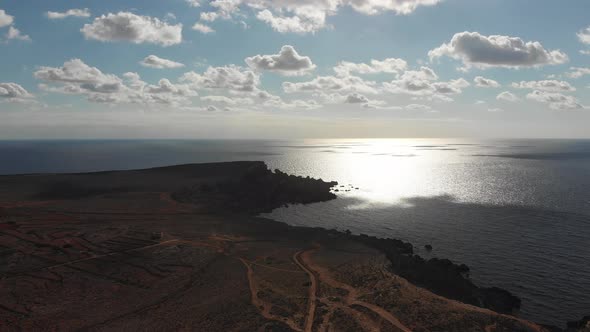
233 194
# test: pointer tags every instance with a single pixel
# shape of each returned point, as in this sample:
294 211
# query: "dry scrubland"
180 248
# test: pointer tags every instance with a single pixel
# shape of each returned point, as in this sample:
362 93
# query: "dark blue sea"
516 211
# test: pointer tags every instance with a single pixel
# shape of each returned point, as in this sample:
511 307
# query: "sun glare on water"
385 171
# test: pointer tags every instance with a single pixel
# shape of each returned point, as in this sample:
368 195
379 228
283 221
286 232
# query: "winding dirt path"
263 306
313 289
305 261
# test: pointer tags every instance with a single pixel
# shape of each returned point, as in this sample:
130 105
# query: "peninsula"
182 248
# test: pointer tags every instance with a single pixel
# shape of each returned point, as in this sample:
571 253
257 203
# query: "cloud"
556 101
228 100
585 52
413 82
380 105
507 96
71 12
451 87
153 61
14 33
389 66
125 26
298 104
194 3
288 62
202 28
577 72
5 19
418 107
327 84
165 86
482 82
423 83
356 98
13 92
209 16
476 50
305 16
545 85
77 78
232 78
404 7
75 71
584 36
305 22
495 110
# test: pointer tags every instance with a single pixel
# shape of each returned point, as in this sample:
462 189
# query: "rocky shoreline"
259 190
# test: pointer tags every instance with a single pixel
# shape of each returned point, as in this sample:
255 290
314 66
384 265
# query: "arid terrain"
180 248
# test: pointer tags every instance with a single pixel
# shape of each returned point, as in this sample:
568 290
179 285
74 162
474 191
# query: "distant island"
183 248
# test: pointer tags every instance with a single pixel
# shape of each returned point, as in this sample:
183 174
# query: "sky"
281 69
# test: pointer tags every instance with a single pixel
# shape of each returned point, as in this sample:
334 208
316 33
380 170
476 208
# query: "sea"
517 212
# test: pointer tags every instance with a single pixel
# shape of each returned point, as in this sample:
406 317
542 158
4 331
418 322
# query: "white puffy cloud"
238 87
125 26
545 85
356 98
359 99
556 101
331 84
287 62
5 19
76 71
476 50
380 105
71 12
202 28
584 35
450 87
482 82
153 61
507 96
164 86
77 78
389 66
304 22
404 7
231 78
228 100
414 82
495 110
14 33
306 16
424 83
13 92
585 52
577 72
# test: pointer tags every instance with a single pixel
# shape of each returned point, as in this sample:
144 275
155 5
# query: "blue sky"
274 68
